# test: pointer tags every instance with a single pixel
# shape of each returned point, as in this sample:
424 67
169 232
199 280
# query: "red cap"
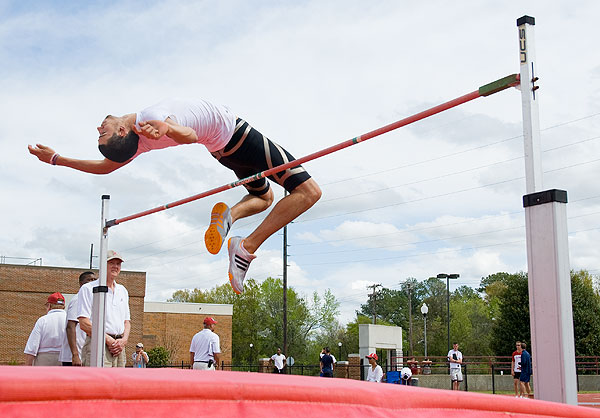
56 299
209 320
373 355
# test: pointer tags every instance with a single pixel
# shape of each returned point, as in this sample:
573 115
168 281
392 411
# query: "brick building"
23 294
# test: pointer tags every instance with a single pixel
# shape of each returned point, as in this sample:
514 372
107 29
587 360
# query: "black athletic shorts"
249 152
517 375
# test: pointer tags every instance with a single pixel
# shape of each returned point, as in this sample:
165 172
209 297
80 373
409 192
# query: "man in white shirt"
455 358
233 142
46 338
205 347
375 372
278 360
70 353
117 315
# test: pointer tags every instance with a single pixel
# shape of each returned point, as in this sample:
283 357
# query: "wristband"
54 158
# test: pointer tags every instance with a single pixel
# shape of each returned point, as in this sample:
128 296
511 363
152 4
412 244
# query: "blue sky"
441 195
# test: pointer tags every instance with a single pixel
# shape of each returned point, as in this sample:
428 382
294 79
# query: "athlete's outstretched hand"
43 152
152 129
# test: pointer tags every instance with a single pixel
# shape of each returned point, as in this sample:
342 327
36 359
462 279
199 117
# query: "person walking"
205 348
117 315
46 338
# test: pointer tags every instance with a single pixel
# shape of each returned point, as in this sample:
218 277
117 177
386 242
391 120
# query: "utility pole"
408 285
373 297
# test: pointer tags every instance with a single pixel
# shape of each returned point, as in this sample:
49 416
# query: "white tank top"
214 124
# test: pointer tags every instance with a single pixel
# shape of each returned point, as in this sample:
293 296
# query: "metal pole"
448 308
99 303
285 255
483 91
550 302
91 254
425 316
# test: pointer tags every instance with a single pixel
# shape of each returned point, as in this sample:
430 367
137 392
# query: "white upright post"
529 101
550 305
100 291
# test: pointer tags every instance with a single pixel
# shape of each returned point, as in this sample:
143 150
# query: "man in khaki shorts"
118 318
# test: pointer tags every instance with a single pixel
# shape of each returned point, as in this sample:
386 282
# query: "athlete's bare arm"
154 129
104 166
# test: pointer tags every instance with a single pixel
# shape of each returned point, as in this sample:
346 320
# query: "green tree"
258 318
586 314
158 357
512 323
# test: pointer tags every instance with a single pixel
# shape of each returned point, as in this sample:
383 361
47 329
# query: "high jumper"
232 141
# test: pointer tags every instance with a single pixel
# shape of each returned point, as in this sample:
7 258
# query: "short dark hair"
120 148
523 346
327 349
83 276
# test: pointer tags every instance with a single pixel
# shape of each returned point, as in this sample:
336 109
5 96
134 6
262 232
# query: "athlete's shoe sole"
220 222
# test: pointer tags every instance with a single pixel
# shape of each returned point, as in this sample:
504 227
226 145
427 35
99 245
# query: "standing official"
117 316
70 353
205 347
46 338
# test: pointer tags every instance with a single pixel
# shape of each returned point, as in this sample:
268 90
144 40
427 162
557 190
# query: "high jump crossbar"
512 80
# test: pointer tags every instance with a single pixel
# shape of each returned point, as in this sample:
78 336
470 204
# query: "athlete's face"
107 128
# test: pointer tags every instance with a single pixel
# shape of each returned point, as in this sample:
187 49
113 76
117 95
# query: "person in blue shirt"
526 371
327 364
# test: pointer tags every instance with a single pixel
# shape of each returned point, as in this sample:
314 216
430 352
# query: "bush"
158 357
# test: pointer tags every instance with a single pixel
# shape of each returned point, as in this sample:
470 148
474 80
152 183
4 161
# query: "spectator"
455 358
326 363
279 361
70 353
526 371
46 338
140 357
322 354
515 368
117 316
205 347
375 373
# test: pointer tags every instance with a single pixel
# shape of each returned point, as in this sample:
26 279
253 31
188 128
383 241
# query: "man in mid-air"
232 141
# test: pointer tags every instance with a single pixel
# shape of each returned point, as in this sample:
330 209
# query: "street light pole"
340 353
448 277
424 311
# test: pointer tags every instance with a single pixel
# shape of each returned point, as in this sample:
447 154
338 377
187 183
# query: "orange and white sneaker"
239 261
220 223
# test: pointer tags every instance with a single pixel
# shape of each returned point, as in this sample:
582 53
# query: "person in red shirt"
515 368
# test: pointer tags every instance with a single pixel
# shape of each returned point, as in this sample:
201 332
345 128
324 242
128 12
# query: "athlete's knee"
267 197
314 191
310 190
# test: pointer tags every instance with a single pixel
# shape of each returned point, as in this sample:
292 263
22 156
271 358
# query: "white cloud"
435 196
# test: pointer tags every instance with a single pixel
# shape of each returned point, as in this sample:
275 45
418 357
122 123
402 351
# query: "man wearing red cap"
46 338
117 316
375 373
205 347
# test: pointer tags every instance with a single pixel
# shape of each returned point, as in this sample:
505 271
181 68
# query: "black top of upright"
547 196
526 19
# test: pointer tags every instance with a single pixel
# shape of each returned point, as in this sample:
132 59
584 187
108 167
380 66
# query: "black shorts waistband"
115 336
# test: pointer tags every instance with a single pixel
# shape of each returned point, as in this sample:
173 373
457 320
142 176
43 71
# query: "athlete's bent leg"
302 198
251 205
